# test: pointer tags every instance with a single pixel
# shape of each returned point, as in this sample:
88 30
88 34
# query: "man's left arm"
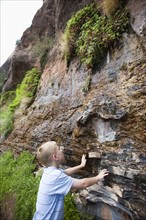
72 170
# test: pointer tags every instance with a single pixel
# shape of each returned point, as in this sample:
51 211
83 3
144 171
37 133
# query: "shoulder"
53 171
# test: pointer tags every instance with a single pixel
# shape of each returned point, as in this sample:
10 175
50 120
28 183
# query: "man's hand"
83 183
102 174
72 170
83 160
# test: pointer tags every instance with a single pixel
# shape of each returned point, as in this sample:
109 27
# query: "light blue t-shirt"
54 185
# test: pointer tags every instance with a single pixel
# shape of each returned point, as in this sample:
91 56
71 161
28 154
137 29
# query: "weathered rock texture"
109 119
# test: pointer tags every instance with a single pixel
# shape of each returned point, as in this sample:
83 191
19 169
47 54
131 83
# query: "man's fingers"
105 172
83 156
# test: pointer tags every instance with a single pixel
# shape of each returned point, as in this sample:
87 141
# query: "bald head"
46 151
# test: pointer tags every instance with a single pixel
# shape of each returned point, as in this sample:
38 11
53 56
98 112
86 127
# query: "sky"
15 17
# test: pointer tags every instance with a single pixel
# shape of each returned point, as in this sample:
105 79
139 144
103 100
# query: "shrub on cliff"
6 116
27 88
89 34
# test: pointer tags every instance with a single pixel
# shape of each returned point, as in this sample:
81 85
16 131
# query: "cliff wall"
109 118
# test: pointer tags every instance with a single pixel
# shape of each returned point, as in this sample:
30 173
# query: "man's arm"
83 183
72 170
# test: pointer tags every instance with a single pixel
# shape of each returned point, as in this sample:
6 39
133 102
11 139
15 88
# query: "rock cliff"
108 119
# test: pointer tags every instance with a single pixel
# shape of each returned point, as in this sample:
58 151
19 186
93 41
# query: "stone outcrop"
49 20
4 72
108 120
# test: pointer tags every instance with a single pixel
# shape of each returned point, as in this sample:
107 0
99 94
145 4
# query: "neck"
54 164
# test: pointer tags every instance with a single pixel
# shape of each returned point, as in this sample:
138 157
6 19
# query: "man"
56 183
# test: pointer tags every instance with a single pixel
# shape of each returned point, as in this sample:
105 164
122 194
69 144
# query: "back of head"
45 152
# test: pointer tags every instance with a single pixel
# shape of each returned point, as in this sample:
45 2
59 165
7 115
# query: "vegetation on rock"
27 88
89 34
70 209
6 116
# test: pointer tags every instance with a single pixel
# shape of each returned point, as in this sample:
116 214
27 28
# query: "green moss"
11 100
6 122
6 98
6 116
27 88
89 34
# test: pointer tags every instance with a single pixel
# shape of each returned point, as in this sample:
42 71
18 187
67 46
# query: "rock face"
3 72
48 21
109 119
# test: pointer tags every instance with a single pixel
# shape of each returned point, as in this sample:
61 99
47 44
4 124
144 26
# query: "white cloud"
16 17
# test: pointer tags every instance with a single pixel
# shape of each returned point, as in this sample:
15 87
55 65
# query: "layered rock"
109 119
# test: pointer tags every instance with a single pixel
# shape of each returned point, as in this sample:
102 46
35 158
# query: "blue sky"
16 16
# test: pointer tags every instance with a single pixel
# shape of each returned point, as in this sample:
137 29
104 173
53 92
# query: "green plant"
11 100
18 182
6 122
27 88
6 116
89 34
70 209
97 35
6 98
72 212
73 29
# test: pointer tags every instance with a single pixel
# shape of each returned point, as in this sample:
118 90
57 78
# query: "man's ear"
54 157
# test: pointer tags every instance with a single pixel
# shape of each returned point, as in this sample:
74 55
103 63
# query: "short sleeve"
55 181
63 183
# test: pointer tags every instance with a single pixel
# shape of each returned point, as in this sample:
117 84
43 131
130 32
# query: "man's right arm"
83 183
